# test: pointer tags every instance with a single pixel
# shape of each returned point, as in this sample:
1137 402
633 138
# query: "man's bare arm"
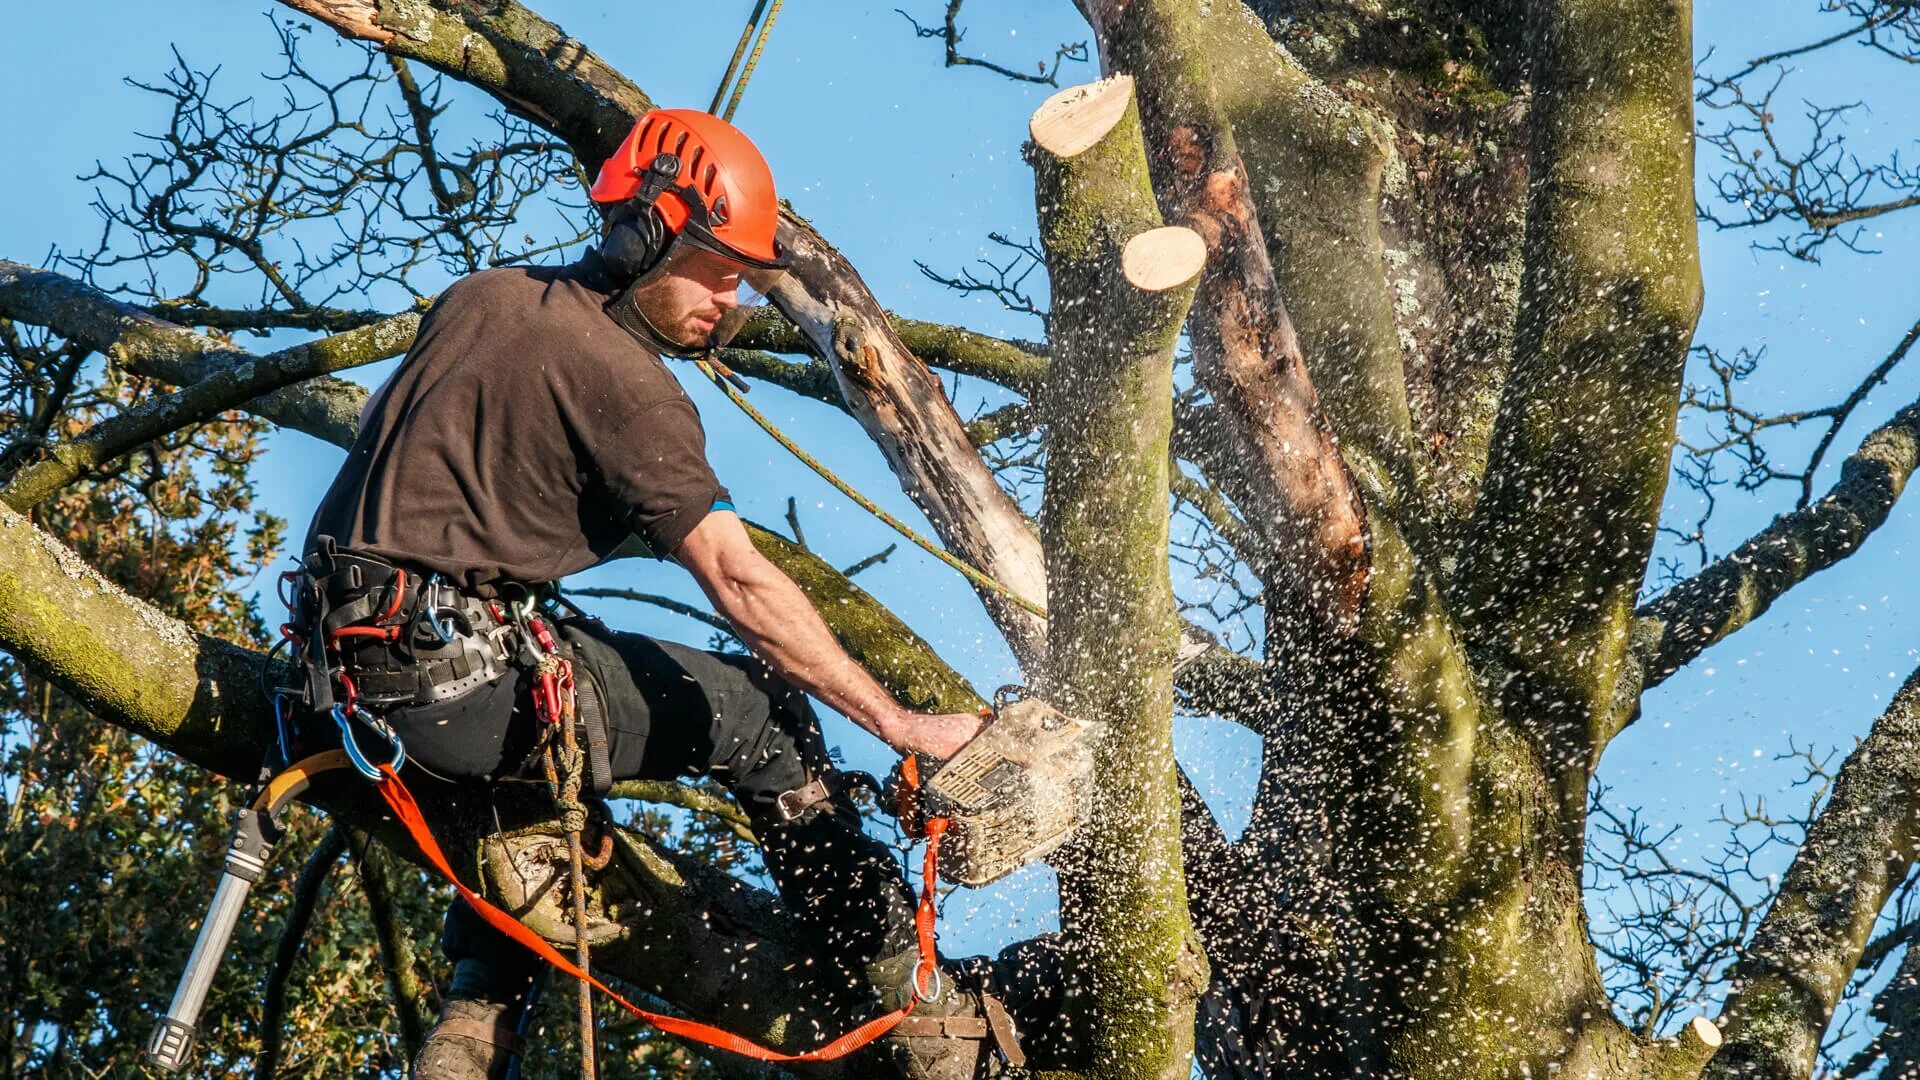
775 620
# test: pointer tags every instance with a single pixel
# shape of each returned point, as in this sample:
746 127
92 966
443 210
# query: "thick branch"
1856 853
904 408
1560 538
330 320
1314 165
1246 353
326 408
1121 289
1701 611
224 389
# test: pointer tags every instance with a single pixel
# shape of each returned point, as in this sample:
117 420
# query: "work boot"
474 1040
961 1031
477 1036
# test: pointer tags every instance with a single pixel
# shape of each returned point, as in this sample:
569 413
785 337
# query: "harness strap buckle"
789 805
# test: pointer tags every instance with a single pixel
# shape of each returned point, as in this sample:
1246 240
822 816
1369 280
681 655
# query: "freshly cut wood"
1163 258
1073 120
1706 1031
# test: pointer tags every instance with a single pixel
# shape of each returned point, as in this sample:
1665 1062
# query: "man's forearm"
777 622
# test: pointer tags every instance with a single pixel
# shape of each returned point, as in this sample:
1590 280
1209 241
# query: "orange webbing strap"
408 812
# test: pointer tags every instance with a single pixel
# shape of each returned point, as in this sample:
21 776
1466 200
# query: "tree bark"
903 407
1315 165
1304 502
1565 524
1121 288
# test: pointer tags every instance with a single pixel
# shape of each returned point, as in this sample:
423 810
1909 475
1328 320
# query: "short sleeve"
655 466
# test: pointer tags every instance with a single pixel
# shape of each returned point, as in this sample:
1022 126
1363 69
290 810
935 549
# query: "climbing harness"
391 638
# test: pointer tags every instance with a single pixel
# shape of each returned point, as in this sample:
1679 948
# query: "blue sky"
897 159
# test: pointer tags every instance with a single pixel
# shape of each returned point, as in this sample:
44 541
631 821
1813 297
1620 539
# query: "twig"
951 33
666 602
870 561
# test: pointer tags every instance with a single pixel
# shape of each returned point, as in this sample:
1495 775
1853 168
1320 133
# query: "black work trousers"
674 711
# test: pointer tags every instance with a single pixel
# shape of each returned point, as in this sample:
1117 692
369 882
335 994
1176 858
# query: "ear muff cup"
634 242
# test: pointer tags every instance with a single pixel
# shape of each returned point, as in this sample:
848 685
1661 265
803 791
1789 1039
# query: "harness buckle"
789 805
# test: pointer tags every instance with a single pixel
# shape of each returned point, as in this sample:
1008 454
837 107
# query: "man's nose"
727 298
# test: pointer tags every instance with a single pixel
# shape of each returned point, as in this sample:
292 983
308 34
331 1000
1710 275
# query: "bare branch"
1804 952
666 603
1742 428
1821 187
1734 591
951 33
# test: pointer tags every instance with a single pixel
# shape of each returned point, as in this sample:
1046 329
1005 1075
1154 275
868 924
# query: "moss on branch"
1560 538
324 407
1857 851
1113 629
225 389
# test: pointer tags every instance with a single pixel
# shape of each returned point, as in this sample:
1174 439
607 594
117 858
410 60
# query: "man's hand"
937 735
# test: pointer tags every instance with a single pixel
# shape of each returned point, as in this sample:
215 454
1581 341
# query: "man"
534 431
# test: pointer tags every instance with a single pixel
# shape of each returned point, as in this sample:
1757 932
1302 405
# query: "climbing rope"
759 43
713 369
707 367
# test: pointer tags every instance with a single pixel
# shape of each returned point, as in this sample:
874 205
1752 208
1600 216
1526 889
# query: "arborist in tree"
534 431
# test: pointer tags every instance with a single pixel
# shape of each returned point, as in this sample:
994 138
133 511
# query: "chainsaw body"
1014 794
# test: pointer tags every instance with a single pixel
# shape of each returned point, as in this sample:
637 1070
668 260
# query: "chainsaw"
1012 795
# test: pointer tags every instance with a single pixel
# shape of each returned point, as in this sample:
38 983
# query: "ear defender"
635 240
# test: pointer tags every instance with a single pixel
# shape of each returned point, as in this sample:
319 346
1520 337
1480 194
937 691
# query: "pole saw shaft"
171 1044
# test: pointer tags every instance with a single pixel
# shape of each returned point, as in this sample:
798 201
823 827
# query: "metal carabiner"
428 593
927 997
360 763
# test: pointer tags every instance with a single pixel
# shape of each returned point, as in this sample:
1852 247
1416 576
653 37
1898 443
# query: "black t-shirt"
525 437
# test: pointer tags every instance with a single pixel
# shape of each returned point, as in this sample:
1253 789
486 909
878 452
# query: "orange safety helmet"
722 186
